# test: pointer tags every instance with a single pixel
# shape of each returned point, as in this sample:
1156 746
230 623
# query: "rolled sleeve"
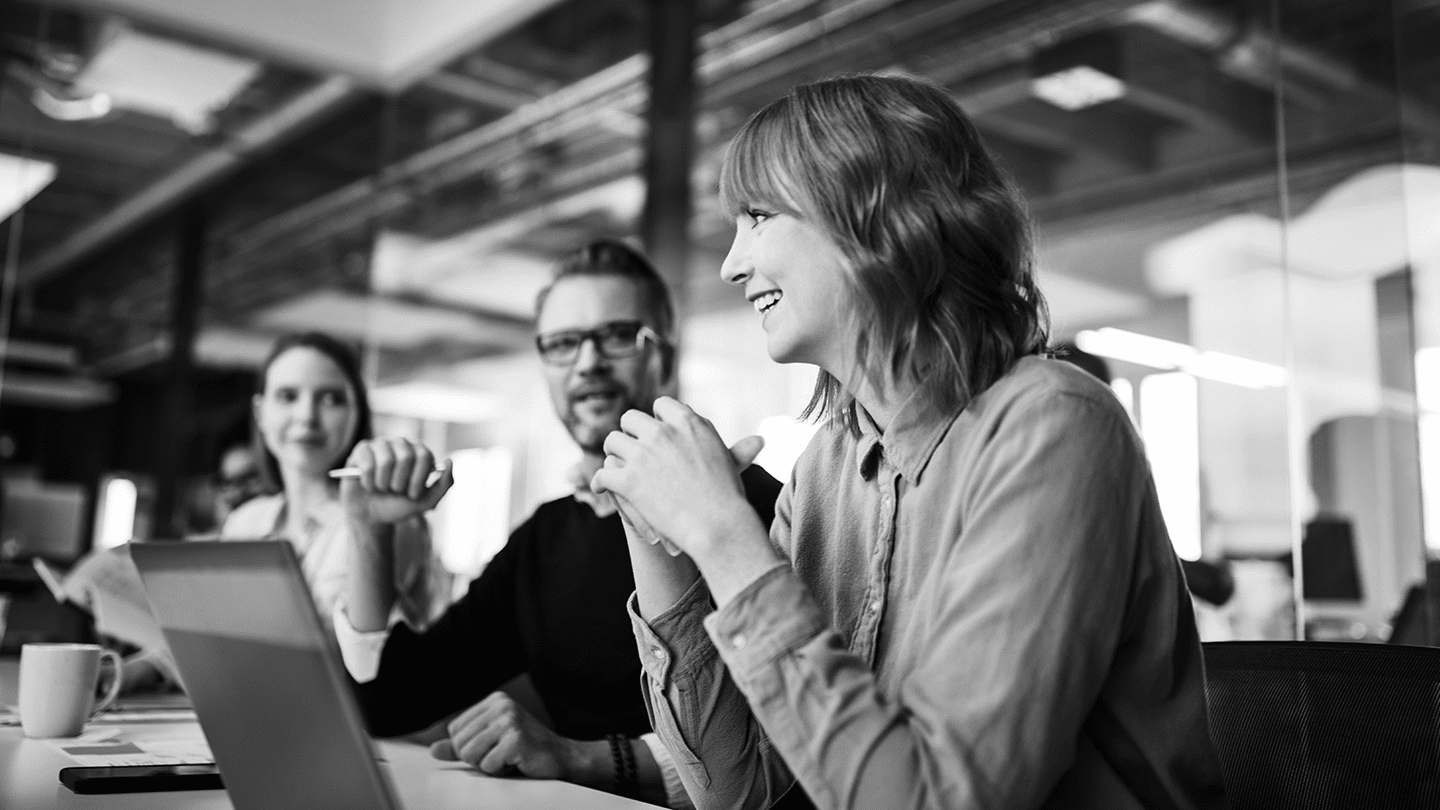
721 754
360 651
772 616
676 640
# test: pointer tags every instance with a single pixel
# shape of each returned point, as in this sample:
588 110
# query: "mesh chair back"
1322 725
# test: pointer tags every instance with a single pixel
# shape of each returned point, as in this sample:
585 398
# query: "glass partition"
1417 102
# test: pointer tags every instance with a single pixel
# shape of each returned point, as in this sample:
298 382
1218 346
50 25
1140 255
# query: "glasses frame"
643 333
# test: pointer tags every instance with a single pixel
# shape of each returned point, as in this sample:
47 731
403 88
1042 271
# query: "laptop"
265 677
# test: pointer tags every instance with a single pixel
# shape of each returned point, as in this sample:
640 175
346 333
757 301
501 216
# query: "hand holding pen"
389 480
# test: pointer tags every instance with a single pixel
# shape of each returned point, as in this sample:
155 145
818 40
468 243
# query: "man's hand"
394 481
497 736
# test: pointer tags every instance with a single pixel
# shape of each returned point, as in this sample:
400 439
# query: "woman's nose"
310 409
736 269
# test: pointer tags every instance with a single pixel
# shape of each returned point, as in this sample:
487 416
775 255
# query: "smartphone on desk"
141 778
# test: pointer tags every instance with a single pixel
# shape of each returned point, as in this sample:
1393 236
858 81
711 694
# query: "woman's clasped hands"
675 481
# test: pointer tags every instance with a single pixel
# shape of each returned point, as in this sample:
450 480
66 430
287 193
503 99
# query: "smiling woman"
967 598
310 410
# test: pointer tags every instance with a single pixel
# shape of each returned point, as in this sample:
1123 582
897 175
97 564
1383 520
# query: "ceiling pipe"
309 106
1252 54
580 107
728 55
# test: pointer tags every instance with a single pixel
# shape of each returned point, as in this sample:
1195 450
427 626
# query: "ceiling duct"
307 107
736 58
1252 54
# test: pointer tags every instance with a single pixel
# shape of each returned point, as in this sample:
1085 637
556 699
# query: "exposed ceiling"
384 43
449 166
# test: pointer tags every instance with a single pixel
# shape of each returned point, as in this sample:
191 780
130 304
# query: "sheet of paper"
177 715
133 746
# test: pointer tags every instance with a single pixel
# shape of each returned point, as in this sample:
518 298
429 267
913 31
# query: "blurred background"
1237 203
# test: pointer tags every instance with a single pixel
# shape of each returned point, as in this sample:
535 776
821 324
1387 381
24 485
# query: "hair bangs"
757 170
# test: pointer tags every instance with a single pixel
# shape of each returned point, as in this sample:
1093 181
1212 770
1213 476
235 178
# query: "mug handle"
114 691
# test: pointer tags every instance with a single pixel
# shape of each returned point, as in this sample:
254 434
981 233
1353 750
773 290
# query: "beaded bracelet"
627 778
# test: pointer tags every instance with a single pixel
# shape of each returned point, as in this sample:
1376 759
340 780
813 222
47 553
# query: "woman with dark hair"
968 597
310 410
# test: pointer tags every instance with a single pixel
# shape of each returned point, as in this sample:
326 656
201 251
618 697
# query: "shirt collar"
909 443
602 503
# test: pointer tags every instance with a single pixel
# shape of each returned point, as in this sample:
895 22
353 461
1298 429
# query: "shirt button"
658 653
874 608
738 641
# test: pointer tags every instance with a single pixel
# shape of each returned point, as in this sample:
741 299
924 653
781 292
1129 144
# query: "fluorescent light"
1236 370
21 179
1133 347
1170 425
1077 88
1169 355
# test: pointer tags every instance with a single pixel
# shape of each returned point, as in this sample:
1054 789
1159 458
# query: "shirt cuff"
675 793
360 651
772 616
676 638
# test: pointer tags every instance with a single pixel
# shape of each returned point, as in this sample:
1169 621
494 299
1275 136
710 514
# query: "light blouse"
422 585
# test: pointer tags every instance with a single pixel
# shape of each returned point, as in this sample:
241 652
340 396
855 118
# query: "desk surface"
29 768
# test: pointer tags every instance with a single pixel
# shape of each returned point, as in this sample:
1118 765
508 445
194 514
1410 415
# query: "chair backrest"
1318 725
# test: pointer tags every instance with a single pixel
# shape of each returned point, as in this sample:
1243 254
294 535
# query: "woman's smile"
307 412
766 301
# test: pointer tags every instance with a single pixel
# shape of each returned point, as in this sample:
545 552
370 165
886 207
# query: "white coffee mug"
57 687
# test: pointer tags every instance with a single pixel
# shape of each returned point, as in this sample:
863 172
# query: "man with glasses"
552 602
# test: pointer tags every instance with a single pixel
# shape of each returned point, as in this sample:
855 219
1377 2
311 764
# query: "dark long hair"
936 235
349 364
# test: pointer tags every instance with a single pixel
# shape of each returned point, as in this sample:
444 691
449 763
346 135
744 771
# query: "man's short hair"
612 257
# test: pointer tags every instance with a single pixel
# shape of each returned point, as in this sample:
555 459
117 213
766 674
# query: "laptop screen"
264 676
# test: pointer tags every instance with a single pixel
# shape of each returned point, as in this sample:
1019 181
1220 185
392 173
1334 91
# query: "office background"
1237 203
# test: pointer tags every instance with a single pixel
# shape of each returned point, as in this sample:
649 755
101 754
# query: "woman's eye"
757 216
332 398
285 395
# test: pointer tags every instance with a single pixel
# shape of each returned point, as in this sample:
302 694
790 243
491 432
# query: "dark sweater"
551 603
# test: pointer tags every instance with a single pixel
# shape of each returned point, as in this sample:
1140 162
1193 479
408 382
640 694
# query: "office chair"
1320 725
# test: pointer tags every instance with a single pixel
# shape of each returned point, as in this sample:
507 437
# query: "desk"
29 781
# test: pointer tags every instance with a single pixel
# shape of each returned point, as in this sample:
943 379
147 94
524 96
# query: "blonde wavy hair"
937 237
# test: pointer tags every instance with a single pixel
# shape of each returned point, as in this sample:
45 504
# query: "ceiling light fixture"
1077 87
85 108
1169 355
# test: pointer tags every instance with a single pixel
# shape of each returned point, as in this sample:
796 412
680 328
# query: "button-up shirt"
980 610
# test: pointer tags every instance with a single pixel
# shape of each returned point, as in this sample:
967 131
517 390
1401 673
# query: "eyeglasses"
616 340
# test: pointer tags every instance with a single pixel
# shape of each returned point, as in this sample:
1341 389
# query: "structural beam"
669 142
178 405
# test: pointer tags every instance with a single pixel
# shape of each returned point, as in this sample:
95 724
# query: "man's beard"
590 433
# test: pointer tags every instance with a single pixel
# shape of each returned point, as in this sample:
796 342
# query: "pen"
354 472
